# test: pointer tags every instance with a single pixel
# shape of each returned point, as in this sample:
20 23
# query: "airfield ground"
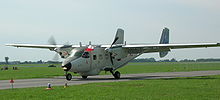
191 88
185 88
131 68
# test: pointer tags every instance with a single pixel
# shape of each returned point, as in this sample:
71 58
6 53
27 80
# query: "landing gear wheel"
84 77
117 75
68 76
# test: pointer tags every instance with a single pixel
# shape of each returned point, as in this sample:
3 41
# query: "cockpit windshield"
85 55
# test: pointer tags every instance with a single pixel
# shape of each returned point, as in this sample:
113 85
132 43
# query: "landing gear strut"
68 76
116 74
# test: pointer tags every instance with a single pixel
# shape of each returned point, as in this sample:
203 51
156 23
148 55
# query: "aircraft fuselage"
97 60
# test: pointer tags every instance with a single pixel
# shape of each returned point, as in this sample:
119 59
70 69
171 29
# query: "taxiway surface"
60 81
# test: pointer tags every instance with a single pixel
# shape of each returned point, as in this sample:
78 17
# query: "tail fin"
119 37
164 40
165 36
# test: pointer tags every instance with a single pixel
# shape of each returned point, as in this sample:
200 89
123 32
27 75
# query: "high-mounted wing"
134 49
165 47
51 47
62 50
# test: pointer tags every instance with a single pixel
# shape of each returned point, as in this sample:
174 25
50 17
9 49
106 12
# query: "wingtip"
8 44
13 45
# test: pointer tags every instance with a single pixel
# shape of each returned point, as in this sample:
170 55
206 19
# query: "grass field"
131 68
195 88
169 67
31 72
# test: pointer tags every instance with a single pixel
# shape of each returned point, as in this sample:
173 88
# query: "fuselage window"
85 55
94 57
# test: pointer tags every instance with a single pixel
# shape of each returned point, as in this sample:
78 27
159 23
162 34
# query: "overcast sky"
74 21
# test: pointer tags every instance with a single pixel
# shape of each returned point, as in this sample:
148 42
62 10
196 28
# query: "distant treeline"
32 62
174 60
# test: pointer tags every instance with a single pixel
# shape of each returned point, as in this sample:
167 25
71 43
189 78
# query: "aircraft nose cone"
67 67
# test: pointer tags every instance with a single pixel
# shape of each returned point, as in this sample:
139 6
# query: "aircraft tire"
117 75
84 77
68 76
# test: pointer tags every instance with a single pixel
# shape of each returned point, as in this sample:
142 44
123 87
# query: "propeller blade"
114 41
56 57
111 58
52 41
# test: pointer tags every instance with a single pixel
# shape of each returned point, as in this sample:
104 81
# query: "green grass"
131 68
31 72
195 88
169 67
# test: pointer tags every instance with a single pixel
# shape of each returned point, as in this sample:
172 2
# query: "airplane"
90 60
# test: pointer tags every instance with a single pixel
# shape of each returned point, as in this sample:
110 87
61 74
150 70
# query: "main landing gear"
116 74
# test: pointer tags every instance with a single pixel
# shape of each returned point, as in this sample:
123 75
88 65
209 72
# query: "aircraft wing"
166 47
51 47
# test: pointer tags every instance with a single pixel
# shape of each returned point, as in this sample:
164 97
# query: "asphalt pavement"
60 81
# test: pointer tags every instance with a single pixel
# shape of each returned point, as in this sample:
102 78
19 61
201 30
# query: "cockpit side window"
85 55
78 53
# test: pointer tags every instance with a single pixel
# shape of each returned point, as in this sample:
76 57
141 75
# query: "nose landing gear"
66 68
68 76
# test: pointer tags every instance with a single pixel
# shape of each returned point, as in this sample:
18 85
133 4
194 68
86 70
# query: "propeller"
119 38
110 53
111 58
56 57
114 41
52 41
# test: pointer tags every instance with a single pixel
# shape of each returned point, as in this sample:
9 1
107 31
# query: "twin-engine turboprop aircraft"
88 60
